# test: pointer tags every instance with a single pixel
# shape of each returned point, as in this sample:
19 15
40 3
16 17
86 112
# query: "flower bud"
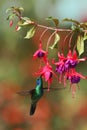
11 23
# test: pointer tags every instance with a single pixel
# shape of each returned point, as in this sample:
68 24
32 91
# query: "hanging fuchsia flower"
47 73
60 67
72 60
40 53
60 64
74 79
65 64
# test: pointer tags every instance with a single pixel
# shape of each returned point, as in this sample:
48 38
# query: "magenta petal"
36 53
81 76
47 75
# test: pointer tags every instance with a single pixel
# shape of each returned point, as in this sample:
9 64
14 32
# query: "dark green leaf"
84 25
30 33
56 40
55 20
71 20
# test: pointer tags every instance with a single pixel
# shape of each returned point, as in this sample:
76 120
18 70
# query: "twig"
43 33
54 29
48 42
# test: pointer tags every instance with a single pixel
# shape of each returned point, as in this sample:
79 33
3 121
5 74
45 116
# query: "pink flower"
60 67
74 78
47 73
65 64
72 59
40 53
60 64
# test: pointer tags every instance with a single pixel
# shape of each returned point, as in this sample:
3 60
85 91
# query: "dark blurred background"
56 110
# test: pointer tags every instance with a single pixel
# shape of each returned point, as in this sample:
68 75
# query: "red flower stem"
66 39
43 33
70 40
48 42
75 43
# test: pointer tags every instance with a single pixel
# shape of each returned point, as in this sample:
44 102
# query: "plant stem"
54 29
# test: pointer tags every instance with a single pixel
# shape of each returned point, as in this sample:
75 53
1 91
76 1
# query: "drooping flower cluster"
46 71
65 67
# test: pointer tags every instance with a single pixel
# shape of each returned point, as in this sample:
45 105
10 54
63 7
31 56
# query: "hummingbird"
35 94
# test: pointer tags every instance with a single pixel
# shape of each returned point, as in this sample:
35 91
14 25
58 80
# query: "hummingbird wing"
30 92
26 92
33 101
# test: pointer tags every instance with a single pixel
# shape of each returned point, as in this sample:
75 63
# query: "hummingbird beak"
54 88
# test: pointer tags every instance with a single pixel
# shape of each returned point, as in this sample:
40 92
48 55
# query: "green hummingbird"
36 94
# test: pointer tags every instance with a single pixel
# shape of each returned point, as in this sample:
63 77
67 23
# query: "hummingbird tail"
32 109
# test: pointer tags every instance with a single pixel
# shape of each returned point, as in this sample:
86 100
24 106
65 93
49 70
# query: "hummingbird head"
39 81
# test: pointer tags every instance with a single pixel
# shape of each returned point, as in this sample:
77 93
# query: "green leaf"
23 23
21 8
80 44
71 20
30 33
26 21
84 25
25 18
56 40
55 20
11 16
9 9
18 9
73 27
85 36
